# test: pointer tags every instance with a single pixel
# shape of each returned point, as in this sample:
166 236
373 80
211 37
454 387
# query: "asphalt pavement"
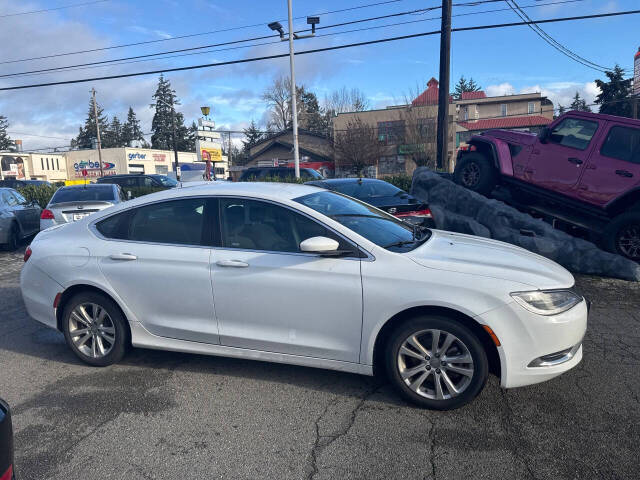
162 415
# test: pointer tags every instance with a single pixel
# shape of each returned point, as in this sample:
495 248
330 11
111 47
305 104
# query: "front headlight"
547 302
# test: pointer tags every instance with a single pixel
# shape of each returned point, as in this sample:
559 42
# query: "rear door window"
574 133
622 143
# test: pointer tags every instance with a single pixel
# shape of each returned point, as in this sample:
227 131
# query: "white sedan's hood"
490 258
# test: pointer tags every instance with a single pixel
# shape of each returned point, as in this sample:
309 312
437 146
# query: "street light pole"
442 136
294 111
95 114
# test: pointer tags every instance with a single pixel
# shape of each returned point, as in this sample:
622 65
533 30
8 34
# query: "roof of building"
301 149
430 95
473 95
506 122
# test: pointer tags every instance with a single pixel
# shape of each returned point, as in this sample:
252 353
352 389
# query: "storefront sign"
209 151
92 168
159 157
137 156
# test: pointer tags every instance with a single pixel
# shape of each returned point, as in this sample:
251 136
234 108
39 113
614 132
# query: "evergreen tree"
5 141
188 142
162 124
309 115
465 86
579 104
614 94
131 131
252 136
112 137
88 134
561 110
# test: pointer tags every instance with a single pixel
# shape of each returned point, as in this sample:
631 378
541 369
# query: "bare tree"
278 97
420 135
345 100
356 147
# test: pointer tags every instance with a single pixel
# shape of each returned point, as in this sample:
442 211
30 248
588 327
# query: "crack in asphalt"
323 441
432 456
507 421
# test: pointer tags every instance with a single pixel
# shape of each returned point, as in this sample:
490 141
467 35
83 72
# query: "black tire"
475 172
116 321
622 235
470 384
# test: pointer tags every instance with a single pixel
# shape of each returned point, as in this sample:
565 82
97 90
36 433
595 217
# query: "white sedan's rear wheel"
95 329
436 362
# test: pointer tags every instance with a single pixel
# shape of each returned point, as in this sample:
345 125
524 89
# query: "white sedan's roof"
267 190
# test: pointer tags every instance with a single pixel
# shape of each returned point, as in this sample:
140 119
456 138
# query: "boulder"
460 210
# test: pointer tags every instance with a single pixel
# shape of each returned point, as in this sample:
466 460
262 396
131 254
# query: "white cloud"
499 90
560 93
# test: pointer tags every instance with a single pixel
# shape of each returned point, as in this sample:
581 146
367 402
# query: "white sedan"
295 274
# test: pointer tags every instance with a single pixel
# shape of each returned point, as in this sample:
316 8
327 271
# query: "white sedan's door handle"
123 256
232 263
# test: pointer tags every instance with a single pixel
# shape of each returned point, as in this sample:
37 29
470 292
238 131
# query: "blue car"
6 443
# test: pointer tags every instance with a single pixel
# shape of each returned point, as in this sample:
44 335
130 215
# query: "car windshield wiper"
399 244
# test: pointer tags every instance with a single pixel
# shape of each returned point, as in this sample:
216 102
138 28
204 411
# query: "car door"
614 168
19 213
155 258
269 296
31 212
558 163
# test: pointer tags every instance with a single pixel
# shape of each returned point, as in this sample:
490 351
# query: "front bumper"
535 348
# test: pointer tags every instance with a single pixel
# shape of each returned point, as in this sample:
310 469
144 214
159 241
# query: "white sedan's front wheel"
436 362
95 329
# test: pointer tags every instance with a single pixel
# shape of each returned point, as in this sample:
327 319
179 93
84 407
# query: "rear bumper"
38 292
536 348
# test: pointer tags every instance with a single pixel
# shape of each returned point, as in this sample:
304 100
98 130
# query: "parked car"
436 310
137 180
14 183
583 169
383 195
257 173
19 218
6 443
74 202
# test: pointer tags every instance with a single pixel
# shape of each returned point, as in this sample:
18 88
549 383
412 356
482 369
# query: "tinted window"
8 199
165 181
20 198
377 226
95 193
574 133
175 222
623 143
365 190
149 182
255 225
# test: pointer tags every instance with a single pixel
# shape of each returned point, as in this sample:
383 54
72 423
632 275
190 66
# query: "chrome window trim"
92 228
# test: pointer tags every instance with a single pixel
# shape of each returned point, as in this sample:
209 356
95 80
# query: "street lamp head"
205 111
313 20
277 27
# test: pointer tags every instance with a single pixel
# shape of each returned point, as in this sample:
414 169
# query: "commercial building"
51 167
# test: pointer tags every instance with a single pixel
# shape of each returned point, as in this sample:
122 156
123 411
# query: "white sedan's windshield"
375 225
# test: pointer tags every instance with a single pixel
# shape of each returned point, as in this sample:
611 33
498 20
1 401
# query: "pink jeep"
583 169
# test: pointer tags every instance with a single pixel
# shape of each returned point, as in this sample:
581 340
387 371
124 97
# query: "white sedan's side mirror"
319 245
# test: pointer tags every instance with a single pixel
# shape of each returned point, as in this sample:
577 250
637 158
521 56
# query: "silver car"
75 202
18 218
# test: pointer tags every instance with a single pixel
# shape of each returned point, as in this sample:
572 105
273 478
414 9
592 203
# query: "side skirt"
141 337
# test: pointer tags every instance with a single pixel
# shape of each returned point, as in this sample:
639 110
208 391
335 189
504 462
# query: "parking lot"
161 415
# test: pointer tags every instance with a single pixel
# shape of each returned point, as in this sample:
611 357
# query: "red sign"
84 172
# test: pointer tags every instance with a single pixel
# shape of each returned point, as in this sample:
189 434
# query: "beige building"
51 167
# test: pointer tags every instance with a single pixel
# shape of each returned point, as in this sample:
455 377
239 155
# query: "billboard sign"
13 167
88 168
209 150
636 73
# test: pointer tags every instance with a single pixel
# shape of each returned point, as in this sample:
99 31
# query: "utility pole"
229 155
175 143
294 110
95 114
442 137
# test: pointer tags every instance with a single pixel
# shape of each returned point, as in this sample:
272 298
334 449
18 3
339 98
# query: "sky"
501 61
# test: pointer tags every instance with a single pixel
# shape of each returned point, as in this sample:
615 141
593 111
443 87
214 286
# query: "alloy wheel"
629 241
91 330
435 364
470 174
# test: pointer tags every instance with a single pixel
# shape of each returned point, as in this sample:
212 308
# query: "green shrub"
41 194
401 181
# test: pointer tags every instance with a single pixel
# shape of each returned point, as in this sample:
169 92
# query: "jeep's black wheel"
622 235
475 172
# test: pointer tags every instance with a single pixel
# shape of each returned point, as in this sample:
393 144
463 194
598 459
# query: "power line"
124 61
318 50
52 9
553 42
179 37
34 135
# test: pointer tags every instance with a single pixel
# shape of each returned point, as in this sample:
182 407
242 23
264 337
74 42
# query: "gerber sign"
93 168
137 156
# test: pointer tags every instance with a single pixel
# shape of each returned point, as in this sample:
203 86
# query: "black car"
383 195
135 180
258 173
6 443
